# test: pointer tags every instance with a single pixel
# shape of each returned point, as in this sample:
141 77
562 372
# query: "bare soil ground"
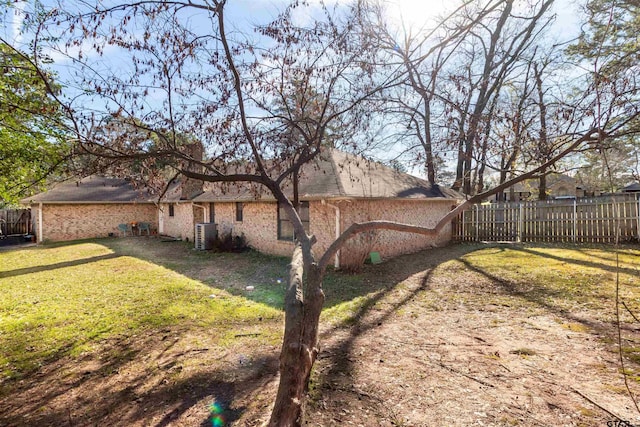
434 346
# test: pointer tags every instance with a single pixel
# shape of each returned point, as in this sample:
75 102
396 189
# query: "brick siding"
71 222
181 225
260 223
389 244
259 226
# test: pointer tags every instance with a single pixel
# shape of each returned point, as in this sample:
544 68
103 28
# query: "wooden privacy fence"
599 220
15 222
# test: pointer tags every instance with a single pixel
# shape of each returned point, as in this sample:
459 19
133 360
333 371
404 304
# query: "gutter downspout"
336 263
160 218
204 217
201 207
40 237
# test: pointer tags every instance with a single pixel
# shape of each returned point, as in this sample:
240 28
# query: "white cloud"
415 14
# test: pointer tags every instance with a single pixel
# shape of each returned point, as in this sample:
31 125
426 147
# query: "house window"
212 213
285 228
239 207
171 210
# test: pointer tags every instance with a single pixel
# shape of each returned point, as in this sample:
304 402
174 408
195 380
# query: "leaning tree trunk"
303 305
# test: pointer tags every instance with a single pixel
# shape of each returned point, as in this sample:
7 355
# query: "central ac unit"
206 234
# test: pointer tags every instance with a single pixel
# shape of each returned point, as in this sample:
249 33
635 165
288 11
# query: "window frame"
239 211
303 211
172 210
212 212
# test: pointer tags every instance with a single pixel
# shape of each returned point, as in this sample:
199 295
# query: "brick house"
335 190
90 207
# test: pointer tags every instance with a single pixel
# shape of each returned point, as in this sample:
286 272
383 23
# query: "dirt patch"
170 378
438 344
438 350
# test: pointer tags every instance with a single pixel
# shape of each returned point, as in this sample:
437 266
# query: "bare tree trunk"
303 304
428 144
485 146
544 142
457 184
542 187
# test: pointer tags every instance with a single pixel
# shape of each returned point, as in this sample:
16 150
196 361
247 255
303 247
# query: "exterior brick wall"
392 243
260 226
225 217
181 225
79 221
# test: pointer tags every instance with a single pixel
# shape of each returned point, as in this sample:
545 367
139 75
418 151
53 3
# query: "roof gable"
336 174
361 178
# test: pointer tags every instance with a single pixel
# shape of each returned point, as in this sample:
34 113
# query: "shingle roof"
631 188
335 174
93 189
553 180
332 175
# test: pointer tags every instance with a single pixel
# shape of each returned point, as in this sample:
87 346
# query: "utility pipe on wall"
204 216
40 237
160 218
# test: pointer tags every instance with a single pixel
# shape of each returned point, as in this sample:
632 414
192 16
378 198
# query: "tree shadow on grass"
250 274
49 267
339 359
610 267
377 310
543 296
53 396
539 297
265 275
108 389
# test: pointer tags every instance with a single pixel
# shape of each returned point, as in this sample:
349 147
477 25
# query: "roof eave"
86 202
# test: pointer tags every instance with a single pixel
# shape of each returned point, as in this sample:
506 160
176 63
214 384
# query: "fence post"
575 220
520 222
638 216
477 223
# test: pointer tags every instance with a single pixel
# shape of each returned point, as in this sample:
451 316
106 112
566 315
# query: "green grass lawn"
67 308
570 278
66 299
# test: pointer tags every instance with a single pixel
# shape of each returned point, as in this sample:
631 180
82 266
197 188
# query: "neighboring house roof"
555 181
632 188
93 189
337 175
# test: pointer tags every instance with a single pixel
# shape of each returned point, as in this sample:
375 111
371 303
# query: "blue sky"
410 15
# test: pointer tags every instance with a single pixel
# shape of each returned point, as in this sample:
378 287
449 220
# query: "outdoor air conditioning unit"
206 234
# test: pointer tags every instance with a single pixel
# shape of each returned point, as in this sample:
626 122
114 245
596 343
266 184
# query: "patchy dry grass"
568 278
65 300
498 335
139 332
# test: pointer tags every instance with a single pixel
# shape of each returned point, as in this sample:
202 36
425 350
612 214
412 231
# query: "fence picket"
15 222
594 220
